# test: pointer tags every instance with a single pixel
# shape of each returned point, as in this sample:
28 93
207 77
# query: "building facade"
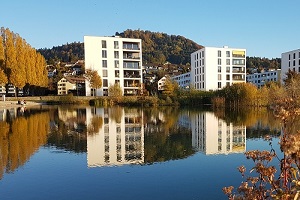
183 80
213 68
117 60
290 61
260 79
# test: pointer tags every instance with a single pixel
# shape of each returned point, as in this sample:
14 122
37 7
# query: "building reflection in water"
212 135
118 140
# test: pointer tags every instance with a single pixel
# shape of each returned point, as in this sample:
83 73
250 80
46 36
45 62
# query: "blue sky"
266 28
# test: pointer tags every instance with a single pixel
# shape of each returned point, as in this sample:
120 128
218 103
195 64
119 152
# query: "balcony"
238 70
131 74
236 77
131 46
134 56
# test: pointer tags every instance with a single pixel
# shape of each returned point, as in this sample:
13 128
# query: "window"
228 69
289 56
104 54
104 63
219 69
227 53
228 77
219 61
219 77
116 44
293 62
219 85
104 71
103 44
116 54
202 53
116 64
117 74
294 56
105 83
227 61
219 53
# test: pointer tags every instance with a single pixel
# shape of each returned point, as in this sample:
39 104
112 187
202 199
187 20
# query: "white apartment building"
117 60
213 68
183 80
290 61
260 79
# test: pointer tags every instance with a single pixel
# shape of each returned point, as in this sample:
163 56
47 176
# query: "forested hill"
157 48
160 47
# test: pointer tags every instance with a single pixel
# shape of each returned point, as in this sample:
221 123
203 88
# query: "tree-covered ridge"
262 63
157 48
161 47
65 53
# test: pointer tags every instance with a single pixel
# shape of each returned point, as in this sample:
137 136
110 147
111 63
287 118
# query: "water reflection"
119 136
213 135
21 136
117 139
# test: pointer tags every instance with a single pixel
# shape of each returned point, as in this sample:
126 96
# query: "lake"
79 152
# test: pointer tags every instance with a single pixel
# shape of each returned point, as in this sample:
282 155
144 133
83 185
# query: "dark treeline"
262 63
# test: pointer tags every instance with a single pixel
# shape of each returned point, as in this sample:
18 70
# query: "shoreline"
14 104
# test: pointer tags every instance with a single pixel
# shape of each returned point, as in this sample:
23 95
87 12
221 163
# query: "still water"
59 152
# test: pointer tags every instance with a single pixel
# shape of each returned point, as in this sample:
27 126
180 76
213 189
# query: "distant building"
290 61
68 85
260 79
213 68
161 83
117 60
183 80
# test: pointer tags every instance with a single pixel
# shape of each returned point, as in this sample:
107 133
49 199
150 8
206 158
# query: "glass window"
105 83
104 63
219 53
116 44
104 54
294 56
116 54
228 69
219 69
227 61
117 73
202 53
227 53
227 77
104 71
219 77
116 64
219 61
103 43
219 85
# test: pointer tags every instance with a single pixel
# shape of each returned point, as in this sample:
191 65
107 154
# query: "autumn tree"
170 88
3 77
94 80
115 90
